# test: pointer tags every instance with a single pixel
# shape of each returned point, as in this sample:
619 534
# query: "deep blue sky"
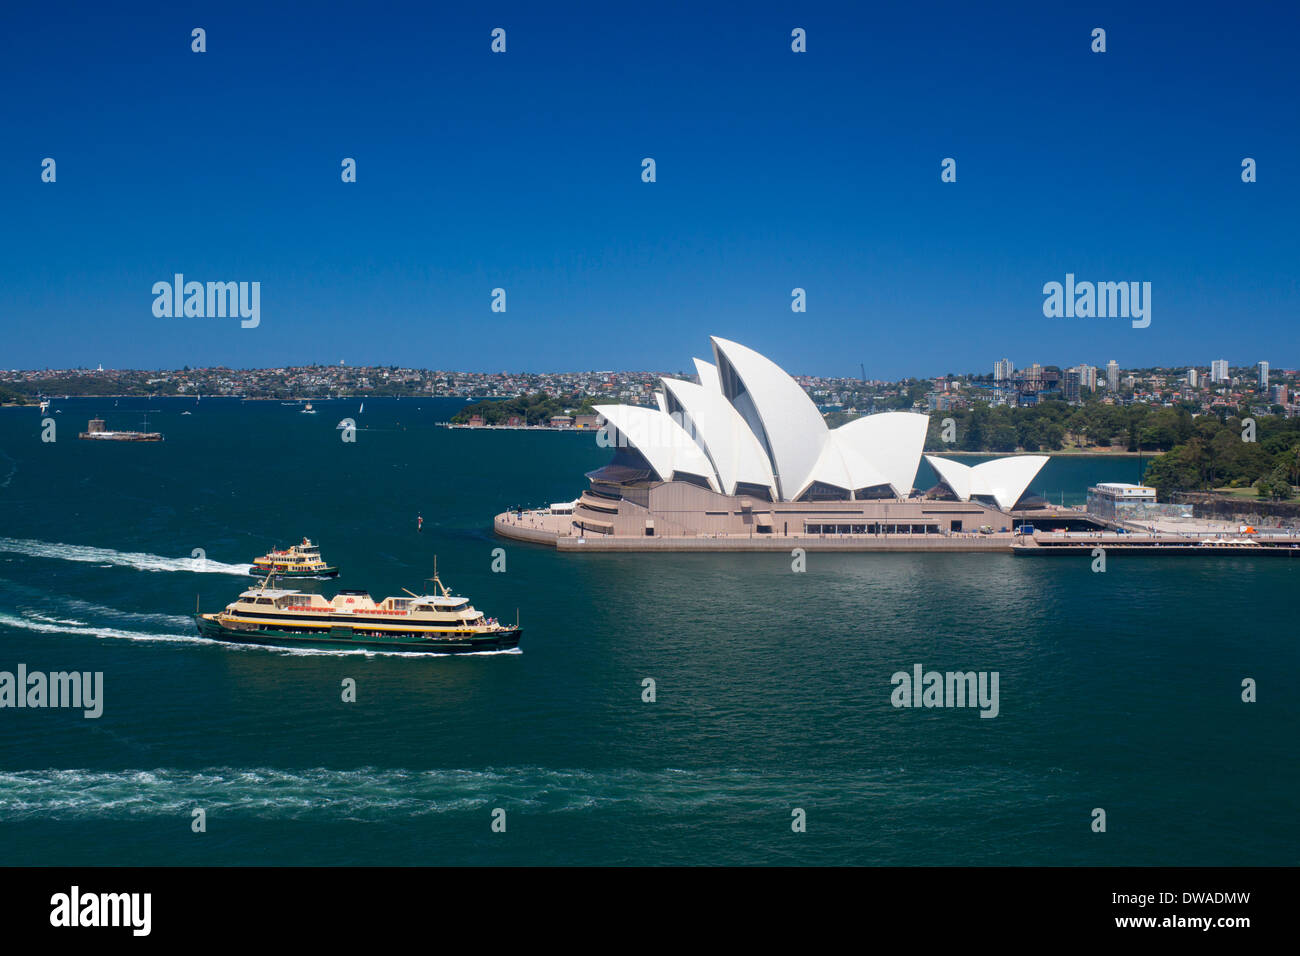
775 170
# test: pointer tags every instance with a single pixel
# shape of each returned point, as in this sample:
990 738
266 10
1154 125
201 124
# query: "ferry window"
859 529
813 529
263 601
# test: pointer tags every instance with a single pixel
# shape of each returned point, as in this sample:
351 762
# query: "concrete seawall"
523 532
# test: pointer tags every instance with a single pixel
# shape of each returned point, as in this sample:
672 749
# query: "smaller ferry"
438 623
299 561
308 410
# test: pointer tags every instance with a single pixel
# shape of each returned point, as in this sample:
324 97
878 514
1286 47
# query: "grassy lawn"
1238 493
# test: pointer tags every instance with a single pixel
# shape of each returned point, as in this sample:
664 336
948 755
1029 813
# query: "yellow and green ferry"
438 623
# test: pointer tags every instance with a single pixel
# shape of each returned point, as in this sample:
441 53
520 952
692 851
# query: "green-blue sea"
1119 690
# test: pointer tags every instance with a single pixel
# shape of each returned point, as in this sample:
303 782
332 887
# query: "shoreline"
1064 452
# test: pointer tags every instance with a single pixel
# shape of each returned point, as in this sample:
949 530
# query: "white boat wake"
33 624
126 559
380 794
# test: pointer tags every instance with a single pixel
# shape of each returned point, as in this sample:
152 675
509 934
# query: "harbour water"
1119 691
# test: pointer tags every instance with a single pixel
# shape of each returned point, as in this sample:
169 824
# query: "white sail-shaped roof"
663 443
749 423
1004 480
722 434
777 410
1007 479
892 442
842 465
953 474
708 373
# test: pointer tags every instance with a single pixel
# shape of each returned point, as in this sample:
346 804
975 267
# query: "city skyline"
998 368
1005 385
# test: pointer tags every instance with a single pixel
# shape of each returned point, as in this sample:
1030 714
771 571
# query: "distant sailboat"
362 408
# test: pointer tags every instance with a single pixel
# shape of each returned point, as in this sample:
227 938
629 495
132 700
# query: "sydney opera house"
743 457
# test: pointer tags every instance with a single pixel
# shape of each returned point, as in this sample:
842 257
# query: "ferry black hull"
502 640
257 572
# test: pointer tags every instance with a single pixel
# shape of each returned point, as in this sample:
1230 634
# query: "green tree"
1276 485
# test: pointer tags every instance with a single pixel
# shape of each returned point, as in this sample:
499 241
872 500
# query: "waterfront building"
1263 376
1219 371
1112 375
1120 501
744 453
